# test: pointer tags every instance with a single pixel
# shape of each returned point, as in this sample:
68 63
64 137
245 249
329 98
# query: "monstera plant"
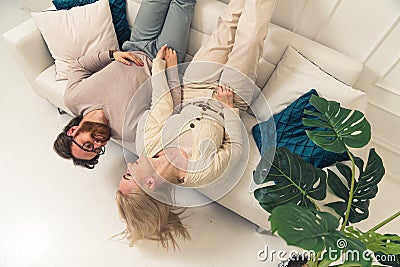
291 190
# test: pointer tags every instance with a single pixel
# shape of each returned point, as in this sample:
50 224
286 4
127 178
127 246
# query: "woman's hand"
124 58
161 52
170 57
225 95
167 54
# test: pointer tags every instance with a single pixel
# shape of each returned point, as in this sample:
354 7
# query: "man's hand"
225 95
170 57
124 58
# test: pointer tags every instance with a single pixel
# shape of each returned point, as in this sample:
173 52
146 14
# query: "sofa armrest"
30 50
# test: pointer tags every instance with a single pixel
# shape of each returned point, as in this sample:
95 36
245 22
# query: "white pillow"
72 33
295 75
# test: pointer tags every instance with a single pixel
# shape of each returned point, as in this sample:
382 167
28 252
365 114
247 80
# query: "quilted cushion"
118 12
291 133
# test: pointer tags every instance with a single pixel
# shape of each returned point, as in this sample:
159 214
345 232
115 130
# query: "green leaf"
303 227
338 127
387 244
351 251
290 180
391 259
317 231
345 171
385 247
365 187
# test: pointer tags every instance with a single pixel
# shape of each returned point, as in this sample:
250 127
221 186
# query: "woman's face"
148 172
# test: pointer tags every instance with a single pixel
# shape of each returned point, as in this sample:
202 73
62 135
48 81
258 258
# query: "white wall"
367 30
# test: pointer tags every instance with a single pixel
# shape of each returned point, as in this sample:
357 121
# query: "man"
101 86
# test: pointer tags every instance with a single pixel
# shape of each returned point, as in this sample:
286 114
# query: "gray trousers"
160 22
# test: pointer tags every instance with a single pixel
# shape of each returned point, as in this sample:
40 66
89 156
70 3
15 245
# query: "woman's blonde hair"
148 218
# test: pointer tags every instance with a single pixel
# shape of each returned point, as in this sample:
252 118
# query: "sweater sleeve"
86 65
161 108
174 86
233 134
232 146
161 99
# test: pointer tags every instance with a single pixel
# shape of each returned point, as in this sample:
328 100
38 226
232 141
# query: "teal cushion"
291 133
118 12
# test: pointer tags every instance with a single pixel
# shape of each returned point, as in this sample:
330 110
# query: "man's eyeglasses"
89 147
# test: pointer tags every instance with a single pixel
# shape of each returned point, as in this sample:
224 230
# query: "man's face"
89 135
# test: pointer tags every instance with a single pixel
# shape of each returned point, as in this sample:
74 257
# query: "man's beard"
97 130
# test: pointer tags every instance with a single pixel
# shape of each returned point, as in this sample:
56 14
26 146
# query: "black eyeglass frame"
100 150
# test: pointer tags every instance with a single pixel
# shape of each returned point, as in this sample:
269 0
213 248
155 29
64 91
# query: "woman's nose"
130 164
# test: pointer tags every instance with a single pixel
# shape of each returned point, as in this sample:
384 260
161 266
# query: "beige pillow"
72 33
295 75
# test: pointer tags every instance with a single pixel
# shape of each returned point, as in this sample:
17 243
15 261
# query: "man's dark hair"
62 145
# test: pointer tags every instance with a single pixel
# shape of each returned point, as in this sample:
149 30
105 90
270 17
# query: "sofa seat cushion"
241 199
52 90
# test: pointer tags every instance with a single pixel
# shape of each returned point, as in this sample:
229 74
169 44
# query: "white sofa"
31 53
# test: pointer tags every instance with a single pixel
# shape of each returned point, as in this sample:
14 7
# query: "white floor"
53 214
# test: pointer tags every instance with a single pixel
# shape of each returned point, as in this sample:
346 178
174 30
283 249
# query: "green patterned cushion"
291 133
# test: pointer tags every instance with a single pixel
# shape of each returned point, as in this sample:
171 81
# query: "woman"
200 144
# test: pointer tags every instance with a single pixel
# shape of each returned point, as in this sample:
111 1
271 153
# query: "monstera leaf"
337 127
387 244
290 180
316 231
391 259
386 247
365 187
